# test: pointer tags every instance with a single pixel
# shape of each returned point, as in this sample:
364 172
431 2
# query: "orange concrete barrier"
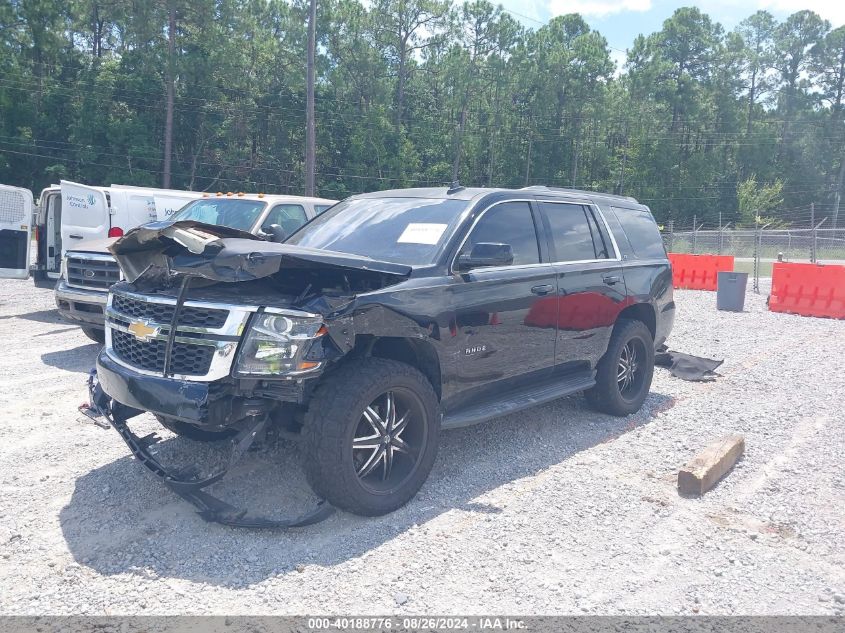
808 289
698 272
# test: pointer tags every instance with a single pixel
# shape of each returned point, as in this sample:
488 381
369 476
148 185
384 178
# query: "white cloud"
832 10
597 8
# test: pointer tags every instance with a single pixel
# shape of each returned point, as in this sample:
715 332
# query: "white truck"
89 268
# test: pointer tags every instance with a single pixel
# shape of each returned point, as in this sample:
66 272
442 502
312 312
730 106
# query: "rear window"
575 233
642 232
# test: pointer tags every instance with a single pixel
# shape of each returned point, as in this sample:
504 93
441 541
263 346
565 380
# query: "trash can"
730 291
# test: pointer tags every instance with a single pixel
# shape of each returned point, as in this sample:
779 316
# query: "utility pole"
171 89
310 125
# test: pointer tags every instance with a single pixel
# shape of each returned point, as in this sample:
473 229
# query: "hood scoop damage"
154 253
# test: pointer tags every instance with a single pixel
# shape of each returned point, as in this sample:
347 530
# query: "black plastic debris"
687 366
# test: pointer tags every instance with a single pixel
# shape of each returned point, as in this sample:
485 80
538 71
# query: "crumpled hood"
221 253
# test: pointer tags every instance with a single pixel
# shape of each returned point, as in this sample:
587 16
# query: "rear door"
15 229
590 283
85 214
48 229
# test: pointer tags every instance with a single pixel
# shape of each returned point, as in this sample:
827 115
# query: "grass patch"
748 267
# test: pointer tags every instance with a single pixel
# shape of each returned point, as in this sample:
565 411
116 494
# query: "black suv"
389 317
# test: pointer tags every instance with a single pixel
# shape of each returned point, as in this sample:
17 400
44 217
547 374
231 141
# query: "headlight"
277 344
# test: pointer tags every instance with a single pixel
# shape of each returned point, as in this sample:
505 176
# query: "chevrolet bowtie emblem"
142 331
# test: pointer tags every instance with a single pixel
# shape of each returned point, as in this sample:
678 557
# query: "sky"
620 21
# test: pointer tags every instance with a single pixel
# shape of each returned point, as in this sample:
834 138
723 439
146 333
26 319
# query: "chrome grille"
187 359
204 345
163 313
94 272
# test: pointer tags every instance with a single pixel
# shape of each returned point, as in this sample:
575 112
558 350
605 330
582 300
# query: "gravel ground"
554 510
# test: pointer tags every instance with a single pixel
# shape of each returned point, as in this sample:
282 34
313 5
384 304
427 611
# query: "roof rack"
582 191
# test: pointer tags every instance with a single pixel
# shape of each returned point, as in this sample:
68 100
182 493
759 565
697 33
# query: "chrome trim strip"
95 256
68 292
213 305
575 202
163 337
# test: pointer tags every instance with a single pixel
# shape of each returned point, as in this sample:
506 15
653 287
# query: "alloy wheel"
389 440
629 371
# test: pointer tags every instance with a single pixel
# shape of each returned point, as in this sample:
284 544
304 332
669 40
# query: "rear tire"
624 373
371 435
183 429
95 334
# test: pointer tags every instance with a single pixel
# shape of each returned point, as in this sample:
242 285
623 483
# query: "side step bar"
519 400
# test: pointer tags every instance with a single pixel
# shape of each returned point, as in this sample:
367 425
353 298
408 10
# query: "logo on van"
91 199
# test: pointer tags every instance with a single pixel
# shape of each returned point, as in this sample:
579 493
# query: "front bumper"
212 405
85 307
187 401
185 482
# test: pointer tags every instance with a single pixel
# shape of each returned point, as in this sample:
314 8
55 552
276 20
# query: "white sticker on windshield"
421 233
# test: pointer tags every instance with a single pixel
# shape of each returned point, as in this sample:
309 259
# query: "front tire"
624 373
371 435
183 429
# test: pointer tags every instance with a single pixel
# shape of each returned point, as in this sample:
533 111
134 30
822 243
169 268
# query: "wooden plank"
710 465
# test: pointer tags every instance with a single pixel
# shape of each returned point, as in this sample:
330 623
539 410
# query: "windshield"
401 230
237 214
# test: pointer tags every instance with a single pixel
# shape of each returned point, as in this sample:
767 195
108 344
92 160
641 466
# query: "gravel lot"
556 510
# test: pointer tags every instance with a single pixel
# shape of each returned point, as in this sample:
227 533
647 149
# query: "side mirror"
277 233
486 254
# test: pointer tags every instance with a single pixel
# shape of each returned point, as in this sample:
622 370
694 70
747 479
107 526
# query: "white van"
93 213
69 214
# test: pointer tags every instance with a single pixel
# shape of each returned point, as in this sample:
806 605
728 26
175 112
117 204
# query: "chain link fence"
755 250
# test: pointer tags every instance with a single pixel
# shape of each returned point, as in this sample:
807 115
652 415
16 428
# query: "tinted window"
642 232
319 208
508 223
237 214
572 233
289 216
601 241
402 230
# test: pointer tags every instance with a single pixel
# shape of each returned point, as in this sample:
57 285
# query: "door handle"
74 236
611 279
542 289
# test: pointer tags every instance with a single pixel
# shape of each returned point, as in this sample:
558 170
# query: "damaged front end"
220 330
185 482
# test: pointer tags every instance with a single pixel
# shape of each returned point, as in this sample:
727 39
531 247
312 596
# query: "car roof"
470 193
269 198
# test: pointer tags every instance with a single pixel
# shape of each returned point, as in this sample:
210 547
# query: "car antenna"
455 187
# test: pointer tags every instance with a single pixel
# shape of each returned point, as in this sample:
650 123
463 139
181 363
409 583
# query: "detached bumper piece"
184 482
